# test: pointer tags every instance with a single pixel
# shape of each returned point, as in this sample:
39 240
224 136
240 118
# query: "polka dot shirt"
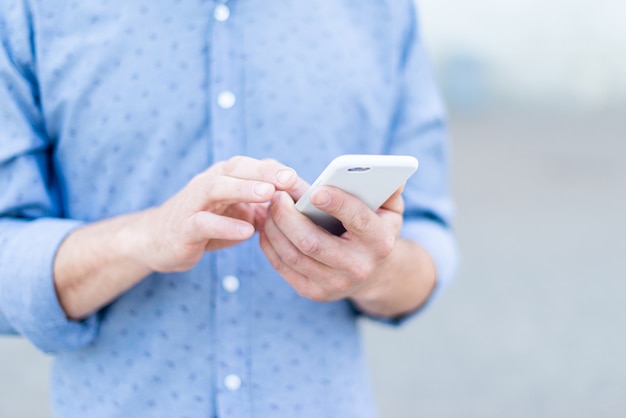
109 107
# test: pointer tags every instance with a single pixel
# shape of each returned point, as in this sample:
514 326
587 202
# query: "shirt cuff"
440 244
27 294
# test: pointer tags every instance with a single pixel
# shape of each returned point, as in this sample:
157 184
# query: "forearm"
98 262
216 209
401 284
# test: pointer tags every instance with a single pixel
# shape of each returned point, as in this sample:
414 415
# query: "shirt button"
226 99
221 13
230 284
232 382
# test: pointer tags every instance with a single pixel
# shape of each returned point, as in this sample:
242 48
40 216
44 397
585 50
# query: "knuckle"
278 264
315 294
292 257
266 167
338 206
361 221
218 167
195 224
341 286
269 161
386 245
310 246
209 186
276 261
361 272
233 162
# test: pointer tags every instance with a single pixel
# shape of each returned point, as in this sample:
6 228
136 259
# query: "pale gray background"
534 324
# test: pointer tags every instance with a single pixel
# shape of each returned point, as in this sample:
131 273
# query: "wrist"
400 284
372 294
134 242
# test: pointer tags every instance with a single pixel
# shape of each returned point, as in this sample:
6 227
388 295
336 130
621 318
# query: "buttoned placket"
226 118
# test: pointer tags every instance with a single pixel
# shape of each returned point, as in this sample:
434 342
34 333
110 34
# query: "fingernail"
284 175
245 230
261 189
320 198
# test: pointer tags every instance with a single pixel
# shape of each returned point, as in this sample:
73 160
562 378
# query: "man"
142 144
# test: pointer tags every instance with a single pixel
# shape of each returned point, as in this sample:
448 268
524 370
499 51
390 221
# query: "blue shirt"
111 106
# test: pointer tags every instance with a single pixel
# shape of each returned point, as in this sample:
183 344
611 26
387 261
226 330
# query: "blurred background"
534 325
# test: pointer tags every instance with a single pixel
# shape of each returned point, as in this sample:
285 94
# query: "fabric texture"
109 107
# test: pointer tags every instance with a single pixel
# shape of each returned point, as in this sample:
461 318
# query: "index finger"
268 170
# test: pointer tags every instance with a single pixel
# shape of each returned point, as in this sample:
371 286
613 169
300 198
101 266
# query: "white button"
221 13
230 284
232 382
226 99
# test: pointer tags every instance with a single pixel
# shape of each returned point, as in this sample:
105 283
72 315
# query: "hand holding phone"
371 178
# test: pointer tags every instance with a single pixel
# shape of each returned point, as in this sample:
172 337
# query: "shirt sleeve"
419 129
31 223
5 327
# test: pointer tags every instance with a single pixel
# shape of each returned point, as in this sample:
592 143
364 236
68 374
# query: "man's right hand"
217 208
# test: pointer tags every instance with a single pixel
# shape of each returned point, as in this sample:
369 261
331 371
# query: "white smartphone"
371 178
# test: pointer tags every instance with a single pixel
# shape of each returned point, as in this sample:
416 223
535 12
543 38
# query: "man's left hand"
323 267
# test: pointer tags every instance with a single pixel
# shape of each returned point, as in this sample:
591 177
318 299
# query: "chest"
175 86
